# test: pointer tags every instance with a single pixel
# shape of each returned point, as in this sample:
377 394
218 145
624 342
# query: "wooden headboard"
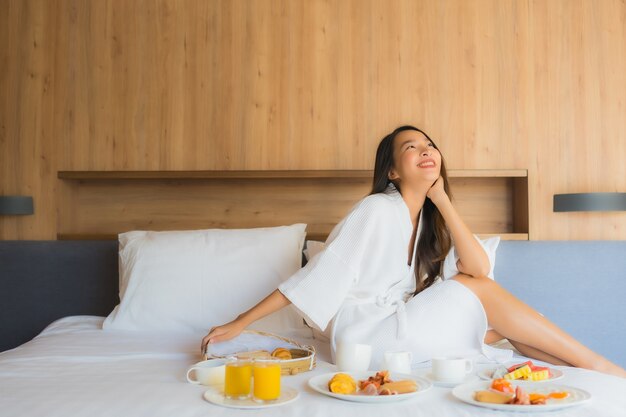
101 204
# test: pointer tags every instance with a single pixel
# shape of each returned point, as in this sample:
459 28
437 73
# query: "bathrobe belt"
391 299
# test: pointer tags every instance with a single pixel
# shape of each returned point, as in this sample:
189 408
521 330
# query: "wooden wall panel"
28 159
281 84
269 84
578 116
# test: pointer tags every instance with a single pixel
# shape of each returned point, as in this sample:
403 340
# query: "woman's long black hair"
434 241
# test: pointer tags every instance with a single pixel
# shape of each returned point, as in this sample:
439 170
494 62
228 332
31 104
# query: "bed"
137 367
73 368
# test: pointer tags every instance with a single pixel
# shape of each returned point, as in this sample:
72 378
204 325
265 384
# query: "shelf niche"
101 204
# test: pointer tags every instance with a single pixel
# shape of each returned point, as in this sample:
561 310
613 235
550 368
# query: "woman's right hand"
273 302
437 192
223 333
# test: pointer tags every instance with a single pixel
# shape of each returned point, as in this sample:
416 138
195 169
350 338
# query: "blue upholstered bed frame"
581 286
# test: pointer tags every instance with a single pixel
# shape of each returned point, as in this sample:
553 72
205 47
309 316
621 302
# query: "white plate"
320 384
554 375
577 397
216 396
468 378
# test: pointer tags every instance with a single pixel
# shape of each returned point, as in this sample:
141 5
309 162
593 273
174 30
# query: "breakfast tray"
259 345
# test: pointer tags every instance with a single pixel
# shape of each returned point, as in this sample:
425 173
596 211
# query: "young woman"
381 281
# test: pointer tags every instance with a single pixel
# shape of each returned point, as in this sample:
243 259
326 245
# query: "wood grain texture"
266 174
202 85
28 158
578 115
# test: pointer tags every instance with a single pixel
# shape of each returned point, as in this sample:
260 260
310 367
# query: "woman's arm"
473 259
273 302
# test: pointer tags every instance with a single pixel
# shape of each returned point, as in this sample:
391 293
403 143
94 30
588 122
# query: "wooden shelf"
98 205
504 236
487 173
309 236
263 174
209 175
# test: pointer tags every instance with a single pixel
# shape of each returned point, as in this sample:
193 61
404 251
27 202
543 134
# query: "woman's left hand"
437 193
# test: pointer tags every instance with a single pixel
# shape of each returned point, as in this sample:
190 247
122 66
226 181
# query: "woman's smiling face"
416 159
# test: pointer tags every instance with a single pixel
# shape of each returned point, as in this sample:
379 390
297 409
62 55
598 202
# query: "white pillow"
490 245
313 247
190 281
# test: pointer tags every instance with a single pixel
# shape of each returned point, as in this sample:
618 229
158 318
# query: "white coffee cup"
398 361
353 357
451 369
209 372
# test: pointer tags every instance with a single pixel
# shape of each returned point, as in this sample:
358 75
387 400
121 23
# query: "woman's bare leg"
531 352
517 321
492 336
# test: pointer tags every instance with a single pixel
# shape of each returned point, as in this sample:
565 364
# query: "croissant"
342 384
281 353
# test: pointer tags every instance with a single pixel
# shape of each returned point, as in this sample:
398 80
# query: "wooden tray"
302 356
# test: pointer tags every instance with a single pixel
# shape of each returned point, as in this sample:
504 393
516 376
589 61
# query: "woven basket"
303 356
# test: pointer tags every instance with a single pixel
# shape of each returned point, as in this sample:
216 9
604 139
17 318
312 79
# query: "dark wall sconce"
590 202
16 205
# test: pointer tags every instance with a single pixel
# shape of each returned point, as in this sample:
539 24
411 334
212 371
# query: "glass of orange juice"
266 374
237 378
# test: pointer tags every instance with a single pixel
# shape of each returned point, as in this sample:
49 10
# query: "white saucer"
320 384
447 384
576 397
216 396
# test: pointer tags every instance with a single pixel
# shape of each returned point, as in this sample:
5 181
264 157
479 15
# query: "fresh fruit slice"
519 373
539 375
519 365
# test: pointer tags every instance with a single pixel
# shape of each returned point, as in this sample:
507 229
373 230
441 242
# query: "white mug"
398 361
353 357
451 369
209 372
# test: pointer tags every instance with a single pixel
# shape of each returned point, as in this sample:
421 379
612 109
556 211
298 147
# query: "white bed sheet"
73 368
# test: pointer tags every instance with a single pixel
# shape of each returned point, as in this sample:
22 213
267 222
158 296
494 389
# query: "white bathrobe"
359 290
